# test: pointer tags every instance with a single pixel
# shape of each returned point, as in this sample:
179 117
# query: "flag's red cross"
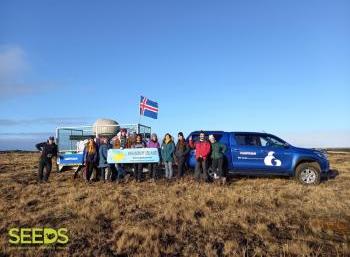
144 106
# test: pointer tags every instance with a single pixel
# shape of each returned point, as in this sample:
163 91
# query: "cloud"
334 138
14 67
24 134
12 62
62 121
22 141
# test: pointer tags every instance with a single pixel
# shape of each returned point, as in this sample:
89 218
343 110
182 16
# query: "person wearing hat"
202 148
153 167
181 151
48 150
217 158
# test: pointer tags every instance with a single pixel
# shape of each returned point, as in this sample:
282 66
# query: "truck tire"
308 173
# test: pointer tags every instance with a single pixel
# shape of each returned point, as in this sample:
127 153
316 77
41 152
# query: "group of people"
209 156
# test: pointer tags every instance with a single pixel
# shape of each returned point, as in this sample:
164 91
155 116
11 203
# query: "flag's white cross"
144 106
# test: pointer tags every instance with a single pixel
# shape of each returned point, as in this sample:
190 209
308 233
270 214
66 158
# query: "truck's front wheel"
308 173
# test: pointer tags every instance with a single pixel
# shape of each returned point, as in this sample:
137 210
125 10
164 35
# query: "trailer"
71 140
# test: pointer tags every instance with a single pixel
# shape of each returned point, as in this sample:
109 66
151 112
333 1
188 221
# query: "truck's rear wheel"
308 173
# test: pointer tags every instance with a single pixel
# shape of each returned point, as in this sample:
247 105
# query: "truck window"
248 140
273 142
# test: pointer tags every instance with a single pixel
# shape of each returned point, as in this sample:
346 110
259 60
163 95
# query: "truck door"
247 155
277 155
260 153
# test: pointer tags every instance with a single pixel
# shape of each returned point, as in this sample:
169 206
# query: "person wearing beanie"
48 150
167 152
153 167
181 152
217 158
202 148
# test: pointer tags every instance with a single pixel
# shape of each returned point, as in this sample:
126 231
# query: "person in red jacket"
202 148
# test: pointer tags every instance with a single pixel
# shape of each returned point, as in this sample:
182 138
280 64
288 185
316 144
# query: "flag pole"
138 125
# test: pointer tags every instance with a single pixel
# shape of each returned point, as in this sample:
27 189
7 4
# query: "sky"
276 66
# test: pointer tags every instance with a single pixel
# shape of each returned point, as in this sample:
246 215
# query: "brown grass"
248 217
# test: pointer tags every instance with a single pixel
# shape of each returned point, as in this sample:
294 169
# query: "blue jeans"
120 170
168 170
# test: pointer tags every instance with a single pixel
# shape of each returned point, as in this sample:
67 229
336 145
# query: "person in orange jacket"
202 148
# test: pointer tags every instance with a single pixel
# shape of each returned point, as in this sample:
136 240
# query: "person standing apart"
202 148
153 167
217 158
181 151
48 150
138 166
167 152
90 158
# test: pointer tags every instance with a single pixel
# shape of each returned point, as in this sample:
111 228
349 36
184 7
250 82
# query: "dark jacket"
102 151
47 150
167 151
139 145
181 150
91 158
217 150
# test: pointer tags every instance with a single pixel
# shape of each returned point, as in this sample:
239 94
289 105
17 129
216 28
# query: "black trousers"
216 165
89 170
201 170
153 167
138 171
44 163
181 162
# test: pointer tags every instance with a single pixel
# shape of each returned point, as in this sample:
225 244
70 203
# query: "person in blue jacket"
167 152
105 171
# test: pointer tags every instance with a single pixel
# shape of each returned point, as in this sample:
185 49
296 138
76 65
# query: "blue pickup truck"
252 153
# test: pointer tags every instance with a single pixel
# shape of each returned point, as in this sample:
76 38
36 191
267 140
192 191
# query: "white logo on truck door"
271 160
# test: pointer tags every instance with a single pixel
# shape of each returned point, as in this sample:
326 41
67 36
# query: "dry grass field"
247 217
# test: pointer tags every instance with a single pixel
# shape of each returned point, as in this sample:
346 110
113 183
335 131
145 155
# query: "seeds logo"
38 236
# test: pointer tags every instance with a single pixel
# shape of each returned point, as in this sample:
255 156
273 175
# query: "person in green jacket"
167 152
217 159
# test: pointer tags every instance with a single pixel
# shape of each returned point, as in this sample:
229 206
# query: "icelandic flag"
148 108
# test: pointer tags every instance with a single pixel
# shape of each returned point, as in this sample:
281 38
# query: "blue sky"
276 66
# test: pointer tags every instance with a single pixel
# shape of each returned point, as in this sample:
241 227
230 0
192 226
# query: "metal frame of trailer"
68 139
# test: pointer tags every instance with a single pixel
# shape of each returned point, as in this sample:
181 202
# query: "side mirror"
286 145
